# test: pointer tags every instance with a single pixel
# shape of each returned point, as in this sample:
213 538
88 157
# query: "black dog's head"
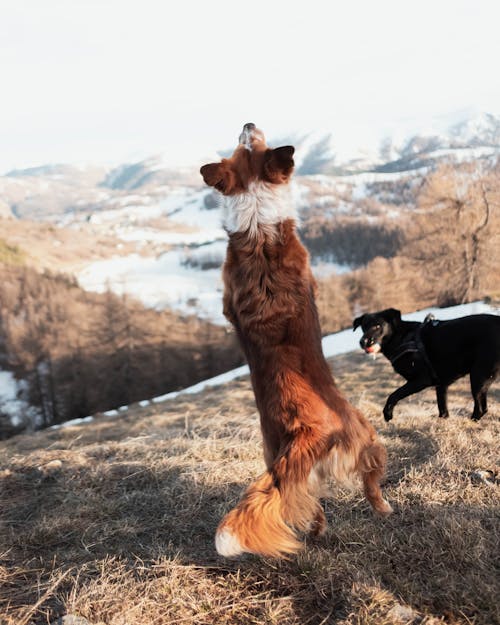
377 328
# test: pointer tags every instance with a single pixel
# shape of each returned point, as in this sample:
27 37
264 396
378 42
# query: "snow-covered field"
174 279
161 282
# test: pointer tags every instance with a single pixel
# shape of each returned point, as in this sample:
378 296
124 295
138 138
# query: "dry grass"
67 250
114 521
44 245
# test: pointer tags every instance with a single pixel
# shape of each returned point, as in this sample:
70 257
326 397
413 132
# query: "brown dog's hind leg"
372 469
318 526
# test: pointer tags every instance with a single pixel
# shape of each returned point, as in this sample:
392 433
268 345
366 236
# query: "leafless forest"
444 252
84 352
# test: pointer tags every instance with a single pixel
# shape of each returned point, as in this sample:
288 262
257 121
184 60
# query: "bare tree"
454 237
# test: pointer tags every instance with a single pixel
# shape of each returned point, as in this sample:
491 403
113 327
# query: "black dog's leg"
411 387
442 396
484 401
479 387
479 405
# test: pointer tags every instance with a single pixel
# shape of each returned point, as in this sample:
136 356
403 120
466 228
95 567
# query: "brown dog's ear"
279 163
357 322
217 176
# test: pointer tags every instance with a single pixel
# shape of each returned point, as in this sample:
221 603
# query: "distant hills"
480 132
54 191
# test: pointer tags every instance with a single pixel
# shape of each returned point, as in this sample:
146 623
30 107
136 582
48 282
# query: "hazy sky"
113 80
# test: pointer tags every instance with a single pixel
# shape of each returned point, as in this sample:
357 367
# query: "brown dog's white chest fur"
260 208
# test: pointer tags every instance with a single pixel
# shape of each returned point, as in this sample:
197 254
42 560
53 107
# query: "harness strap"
416 346
423 352
405 351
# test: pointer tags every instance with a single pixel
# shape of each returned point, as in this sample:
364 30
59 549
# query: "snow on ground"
465 154
152 235
333 345
135 208
11 402
163 282
341 343
174 279
323 269
193 213
186 208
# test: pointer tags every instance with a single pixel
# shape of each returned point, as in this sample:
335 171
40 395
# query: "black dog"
435 353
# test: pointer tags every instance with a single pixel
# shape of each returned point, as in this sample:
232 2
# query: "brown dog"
311 433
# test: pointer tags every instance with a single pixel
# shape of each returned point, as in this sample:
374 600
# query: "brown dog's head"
252 160
377 328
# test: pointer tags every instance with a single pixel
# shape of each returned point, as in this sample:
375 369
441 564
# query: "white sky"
113 80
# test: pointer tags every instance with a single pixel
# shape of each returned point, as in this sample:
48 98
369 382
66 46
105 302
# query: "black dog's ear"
391 314
357 322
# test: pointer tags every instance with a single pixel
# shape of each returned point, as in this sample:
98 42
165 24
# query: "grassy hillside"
114 521
10 254
47 246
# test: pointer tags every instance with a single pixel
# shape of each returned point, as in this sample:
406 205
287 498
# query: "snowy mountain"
481 130
152 171
469 138
51 190
162 226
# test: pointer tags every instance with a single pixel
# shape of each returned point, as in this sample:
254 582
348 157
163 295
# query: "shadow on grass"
440 559
409 449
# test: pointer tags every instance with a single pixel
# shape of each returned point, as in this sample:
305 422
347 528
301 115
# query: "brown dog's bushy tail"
257 525
269 514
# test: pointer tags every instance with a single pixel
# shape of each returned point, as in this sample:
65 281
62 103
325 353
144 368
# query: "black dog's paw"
475 417
387 414
443 415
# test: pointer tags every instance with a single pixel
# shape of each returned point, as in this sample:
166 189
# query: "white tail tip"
227 544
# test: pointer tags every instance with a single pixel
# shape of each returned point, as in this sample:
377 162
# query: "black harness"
415 345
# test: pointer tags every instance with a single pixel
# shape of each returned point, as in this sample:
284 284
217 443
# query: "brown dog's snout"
251 136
